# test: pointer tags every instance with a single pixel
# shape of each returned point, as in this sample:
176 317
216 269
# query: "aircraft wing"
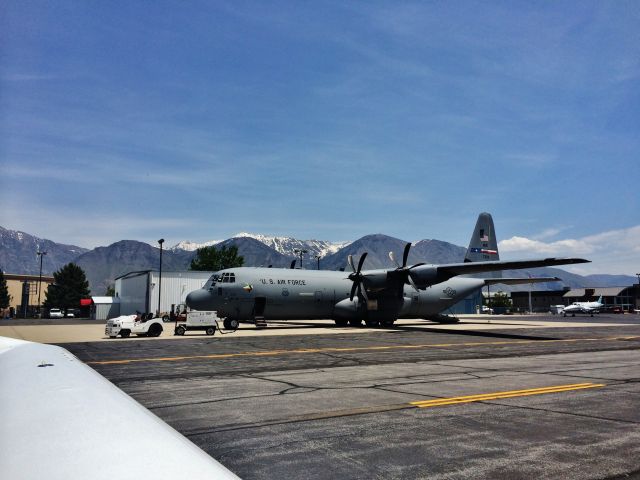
478 267
426 275
62 420
518 281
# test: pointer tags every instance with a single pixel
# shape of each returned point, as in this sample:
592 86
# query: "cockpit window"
228 277
213 279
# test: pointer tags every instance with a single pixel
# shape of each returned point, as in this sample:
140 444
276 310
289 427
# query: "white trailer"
196 320
125 325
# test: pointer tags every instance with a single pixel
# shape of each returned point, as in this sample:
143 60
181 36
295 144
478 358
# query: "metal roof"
597 291
103 300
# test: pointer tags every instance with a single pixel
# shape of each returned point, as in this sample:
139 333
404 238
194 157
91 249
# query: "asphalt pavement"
487 401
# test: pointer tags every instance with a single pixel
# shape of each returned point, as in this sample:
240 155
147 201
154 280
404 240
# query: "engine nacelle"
375 279
347 310
427 275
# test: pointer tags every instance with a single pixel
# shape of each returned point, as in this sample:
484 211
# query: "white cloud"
614 252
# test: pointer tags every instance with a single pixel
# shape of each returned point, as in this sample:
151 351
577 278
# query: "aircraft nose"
197 299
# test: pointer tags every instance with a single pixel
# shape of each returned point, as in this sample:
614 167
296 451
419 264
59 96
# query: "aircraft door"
259 306
415 303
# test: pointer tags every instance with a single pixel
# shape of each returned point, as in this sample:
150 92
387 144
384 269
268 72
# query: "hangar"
103 308
625 298
138 291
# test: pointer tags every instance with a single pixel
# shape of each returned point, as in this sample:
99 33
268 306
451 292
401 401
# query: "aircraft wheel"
231 323
341 322
180 330
355 322
388 323
210 331
125 333
372 323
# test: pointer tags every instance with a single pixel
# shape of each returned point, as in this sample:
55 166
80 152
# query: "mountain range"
103 264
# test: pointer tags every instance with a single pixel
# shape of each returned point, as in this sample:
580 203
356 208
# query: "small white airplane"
583 307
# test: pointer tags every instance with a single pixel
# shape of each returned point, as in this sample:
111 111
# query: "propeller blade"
356 277
353 291
405 255
363 292
412 282
392 257
364 255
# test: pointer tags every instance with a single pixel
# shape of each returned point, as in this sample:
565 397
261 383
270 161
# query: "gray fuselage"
285 294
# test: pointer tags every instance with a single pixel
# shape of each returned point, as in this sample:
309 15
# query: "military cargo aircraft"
377 297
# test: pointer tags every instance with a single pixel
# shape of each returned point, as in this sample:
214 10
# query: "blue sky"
328 120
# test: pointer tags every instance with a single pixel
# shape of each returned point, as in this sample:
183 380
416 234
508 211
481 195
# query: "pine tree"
69 286
208 258
5 298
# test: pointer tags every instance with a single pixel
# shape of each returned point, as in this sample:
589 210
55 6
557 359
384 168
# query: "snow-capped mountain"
193 246
287 245
284 245
18 253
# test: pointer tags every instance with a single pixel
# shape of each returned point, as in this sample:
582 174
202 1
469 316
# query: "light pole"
530 287
300 252
161 241
40 254
318 259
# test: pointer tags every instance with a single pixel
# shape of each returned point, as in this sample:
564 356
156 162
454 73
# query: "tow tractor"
141 324
186 320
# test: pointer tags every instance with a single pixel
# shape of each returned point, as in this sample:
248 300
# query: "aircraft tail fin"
483 246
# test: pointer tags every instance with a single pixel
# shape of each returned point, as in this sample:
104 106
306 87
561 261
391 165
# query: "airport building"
139 291
622 299
104 308
23 293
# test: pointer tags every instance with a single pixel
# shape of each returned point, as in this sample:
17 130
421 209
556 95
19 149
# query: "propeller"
356 277
404 268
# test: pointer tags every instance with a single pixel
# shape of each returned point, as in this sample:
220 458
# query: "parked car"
69 314
55 313
486 309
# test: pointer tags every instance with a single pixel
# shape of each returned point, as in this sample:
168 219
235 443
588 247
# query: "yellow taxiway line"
218 356
508 394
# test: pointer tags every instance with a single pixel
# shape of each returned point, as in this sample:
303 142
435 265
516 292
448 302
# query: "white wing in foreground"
59 419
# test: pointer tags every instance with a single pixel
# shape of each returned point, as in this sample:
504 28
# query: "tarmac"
493 397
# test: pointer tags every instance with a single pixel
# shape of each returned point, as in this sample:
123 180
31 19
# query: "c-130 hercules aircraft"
377 297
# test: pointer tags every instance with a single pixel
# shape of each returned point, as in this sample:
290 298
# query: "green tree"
501 299
111 291
69 286
211 259
5 298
